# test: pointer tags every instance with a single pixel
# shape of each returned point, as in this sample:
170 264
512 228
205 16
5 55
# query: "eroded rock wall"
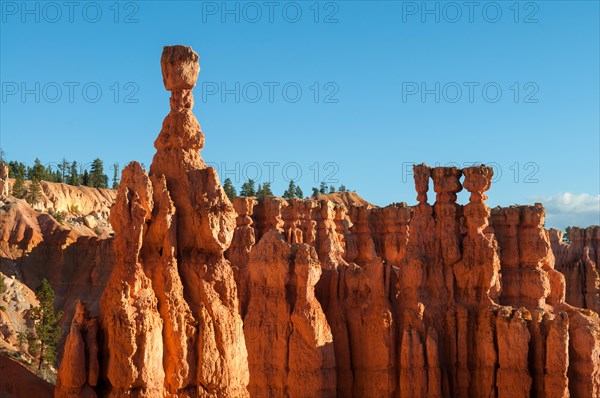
430 300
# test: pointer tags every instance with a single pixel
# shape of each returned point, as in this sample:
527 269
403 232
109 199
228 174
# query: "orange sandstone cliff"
316 298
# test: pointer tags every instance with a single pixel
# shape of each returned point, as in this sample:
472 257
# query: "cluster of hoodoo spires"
305 298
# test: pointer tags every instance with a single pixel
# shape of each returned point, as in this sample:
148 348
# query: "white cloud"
568 209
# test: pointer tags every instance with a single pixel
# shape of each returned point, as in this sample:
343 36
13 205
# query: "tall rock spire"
169 316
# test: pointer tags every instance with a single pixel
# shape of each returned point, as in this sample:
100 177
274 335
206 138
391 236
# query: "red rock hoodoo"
169 320
316 298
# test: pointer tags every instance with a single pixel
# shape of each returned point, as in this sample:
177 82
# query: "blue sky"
352 91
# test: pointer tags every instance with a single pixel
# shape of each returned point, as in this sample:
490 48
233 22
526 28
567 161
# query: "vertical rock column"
513 339
291 222
477 283
418 296
424 251
330 251
329 245
330 289
394 238
205 222
131 324
311 355
307 224
239 252
447 213
169 313
79 369
534 258
477 277
447 253
528 337
361 245
538 284
290 344
268 216
505 222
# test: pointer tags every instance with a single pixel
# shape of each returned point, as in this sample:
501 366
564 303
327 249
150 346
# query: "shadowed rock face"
17 381
311 298
579 261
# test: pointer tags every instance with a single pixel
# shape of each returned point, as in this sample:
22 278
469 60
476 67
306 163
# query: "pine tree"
342 188
315 192
298 192
97 178
63 169
18 189
15 168
567 235
34 193
38 171
115 182
85 178
290 193
267 189
57 176
248 188
229 189
12 169
323 188
264 191
74 178
22 169
331 189
48 174
46 330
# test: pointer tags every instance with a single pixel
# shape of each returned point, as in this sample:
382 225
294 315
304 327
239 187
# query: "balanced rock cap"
180 67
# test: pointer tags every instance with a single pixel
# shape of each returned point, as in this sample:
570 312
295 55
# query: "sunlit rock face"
324 298
169 320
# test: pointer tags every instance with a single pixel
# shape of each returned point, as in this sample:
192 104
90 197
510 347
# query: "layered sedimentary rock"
83 200
316 298
73 200
34 246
